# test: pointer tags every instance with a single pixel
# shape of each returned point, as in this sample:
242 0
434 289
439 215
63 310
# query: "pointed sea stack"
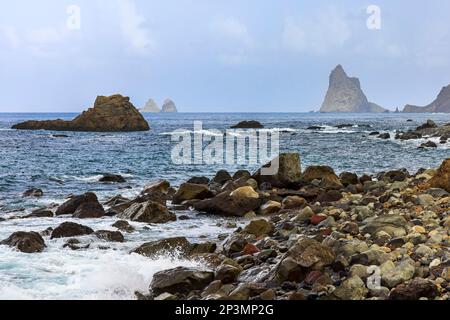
169 107
345 95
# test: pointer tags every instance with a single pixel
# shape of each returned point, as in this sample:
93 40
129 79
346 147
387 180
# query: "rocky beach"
300 235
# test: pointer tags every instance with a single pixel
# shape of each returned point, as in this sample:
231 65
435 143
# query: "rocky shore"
309 234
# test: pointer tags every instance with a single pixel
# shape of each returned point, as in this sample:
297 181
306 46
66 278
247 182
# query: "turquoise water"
71 165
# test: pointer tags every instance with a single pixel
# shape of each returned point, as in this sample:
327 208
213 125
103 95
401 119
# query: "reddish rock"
316 219
250 249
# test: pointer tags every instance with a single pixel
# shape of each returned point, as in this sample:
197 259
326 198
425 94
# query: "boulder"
112 236
33 192
221 177
259 227
90 202
199 180
40 213
27 242
180 280
442 177
91 209
179 245
270 207
190 191
403 272
109 177
244 192
70 229
304 256
161 186
352 288
123 226
384 136
227 273
328 179
252 124
284 171
414 290
228 205
293 202
394 225
109 114
348 178
148 212
428 144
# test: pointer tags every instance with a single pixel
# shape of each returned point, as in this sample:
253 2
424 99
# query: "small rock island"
169 107
345 95
110 114
151 107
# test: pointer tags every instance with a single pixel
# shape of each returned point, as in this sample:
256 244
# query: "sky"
219 55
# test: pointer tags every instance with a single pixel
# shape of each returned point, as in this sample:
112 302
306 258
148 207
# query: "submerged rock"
109 177
113 113
248 125
33 192
27 242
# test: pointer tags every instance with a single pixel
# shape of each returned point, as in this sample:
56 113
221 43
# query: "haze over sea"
61 166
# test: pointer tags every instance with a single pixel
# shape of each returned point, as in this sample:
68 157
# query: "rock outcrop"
345 95
169 106
27 242
110 114
252 124
151 106
441 104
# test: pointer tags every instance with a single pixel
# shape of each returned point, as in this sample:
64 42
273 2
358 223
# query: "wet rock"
199 180
242 174
27 242
180 280
176 245
221 177
394 225
428 144
40 213
284 171
112 236
352 288
112 178
293 202
384 136
442 177
259 227
325 174
348 178
227 273
250 249
70 229
90 202
430 124
189 191
123 226
414 290
90 209
270 207
33 192
234 243
252 124
394 175
148 212
160 186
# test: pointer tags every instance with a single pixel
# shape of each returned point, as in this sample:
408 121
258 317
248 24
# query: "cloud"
317 33
132 26
233 40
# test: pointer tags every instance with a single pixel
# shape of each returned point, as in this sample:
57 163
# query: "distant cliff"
151 106
169 106
345 95
441 104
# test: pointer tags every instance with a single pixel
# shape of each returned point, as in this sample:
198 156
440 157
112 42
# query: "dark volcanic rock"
40 213
33 192
85 203
113 113
109 177
113 236
70 229
248 125
199 180
180 280
27 242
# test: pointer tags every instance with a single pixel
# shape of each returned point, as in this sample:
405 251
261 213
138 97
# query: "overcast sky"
218 55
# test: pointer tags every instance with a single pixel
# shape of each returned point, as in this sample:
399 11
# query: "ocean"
61 166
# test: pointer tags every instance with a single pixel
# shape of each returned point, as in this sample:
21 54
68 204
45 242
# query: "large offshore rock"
109 114
441 104
169 106
345 95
